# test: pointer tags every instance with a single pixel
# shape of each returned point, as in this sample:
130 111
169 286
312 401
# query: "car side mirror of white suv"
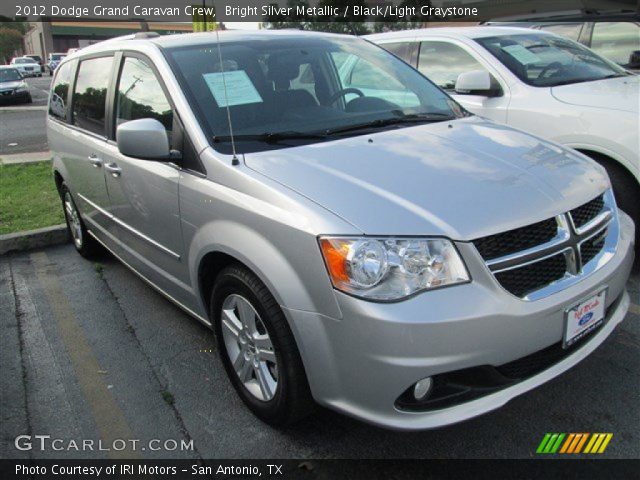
145 138
477 82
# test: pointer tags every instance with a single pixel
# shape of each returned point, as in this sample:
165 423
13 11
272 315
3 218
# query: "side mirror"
145 138
634 59
477 82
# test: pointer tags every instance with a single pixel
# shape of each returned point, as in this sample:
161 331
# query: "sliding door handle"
113 169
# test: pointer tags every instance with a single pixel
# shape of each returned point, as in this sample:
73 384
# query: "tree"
10 41
277 22
410 22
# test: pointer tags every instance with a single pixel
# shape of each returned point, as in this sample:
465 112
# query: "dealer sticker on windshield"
583 318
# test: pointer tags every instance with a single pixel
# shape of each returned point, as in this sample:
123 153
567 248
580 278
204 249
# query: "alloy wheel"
249 347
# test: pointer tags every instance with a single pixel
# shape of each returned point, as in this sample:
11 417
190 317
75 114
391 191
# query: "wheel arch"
607 158
294 285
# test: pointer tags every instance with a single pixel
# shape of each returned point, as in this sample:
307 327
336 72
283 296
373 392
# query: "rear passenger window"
140 95
59 100
90 94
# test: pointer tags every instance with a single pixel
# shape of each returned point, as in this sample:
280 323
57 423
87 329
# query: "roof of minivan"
468 32
186 39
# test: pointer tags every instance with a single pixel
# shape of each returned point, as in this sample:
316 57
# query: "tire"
291 400
625 189
85 244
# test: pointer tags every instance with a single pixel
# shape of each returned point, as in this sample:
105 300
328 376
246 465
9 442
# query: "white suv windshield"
285 91
548 61
24 60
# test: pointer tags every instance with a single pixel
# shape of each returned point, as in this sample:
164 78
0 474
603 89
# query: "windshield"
24 60
9 75
549 61
285 91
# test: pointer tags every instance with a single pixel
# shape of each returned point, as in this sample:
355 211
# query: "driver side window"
442 62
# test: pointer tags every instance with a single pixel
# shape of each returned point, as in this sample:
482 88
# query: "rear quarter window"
59 98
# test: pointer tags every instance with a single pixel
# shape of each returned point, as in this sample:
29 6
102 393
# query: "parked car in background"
72 50
37 58
13 88
618 41
27 66
54 60
539 82
394 258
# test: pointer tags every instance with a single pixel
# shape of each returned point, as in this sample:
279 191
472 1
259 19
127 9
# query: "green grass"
28 197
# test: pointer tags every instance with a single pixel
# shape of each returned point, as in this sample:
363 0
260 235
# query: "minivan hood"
620 93
462 179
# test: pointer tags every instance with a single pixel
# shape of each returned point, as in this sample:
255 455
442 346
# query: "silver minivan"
374 249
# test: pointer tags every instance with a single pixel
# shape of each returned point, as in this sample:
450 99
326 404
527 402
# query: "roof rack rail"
141 35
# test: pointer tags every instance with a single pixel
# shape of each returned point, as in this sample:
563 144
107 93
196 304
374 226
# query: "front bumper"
360 364
13 96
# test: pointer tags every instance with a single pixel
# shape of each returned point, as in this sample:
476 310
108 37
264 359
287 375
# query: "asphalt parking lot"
23 125
89 351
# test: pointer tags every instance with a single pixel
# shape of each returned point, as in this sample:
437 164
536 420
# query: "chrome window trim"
130 228
568 241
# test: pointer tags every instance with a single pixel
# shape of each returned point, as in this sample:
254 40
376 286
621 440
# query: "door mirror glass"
477 82
145 138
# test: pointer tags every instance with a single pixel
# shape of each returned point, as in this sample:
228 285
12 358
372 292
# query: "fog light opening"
422 389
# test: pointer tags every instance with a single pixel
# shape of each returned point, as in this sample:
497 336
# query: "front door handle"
95 161
113 169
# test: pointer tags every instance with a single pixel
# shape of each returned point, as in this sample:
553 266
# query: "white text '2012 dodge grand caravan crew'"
379 251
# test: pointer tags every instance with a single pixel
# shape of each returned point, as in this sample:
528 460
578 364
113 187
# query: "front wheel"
257 348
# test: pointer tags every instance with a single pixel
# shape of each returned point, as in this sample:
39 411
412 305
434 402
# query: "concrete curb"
42 237
26 157
34 108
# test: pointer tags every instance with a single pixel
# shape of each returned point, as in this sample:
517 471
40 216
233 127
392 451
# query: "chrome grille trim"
568 241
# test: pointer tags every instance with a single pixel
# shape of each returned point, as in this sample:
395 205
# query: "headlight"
21 88
391 268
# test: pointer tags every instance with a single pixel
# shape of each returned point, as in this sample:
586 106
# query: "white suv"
27 66
541 83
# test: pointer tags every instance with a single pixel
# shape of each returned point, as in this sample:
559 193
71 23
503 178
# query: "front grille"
592 247
513 241
531 258
587 212
523 280
534 363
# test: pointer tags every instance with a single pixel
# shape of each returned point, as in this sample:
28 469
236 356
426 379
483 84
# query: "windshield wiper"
397 120
270 137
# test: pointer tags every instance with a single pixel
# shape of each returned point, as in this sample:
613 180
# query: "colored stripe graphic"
573 443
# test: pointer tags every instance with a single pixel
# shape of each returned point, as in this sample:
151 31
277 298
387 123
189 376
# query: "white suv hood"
462 179
621 93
